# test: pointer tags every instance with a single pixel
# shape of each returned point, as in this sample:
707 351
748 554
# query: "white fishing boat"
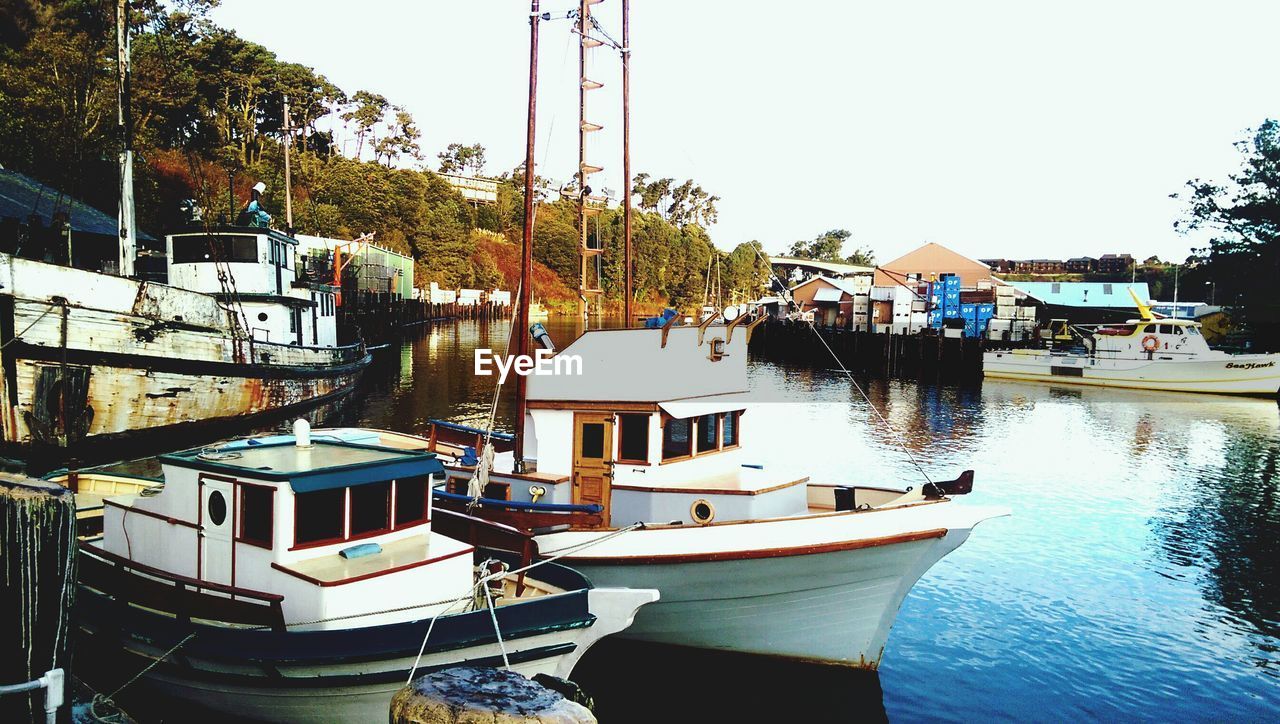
93 357
291 579
1149 353
654 441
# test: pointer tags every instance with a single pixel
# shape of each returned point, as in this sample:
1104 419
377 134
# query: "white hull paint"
1226 374
835 606
139 357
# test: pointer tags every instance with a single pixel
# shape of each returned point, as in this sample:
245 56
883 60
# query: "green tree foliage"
457 158
1243 215
208 109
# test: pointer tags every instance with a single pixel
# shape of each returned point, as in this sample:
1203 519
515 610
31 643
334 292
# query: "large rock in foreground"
472 695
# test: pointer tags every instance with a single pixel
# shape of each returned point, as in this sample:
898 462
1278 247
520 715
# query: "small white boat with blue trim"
288 578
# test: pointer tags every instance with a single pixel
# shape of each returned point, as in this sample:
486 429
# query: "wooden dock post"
38 551
474 693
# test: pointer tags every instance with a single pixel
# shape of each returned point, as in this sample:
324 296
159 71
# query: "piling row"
924 357
378 318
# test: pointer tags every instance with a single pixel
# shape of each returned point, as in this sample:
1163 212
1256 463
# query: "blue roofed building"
1086 302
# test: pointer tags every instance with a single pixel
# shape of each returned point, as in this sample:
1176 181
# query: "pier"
925 357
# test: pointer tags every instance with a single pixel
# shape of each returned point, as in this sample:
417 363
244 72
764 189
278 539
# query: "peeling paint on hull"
105 357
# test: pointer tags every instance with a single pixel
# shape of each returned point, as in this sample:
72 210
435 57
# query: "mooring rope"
108 699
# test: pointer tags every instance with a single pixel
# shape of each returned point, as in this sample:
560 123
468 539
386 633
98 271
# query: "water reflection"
1137 578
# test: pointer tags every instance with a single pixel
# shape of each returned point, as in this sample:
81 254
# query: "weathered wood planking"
91 355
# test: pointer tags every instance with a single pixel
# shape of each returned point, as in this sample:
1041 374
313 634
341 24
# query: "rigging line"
786 294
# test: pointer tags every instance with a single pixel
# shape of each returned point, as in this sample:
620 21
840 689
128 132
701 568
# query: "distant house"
1082 265
1000 266
930 262
834 302
1115 263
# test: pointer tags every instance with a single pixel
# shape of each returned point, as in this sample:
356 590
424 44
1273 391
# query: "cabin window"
1150 329
677 438
370 508
1166 329
411 501
729 427
633 438
190 249
591 444
708 433
1193 331
319 516
257 513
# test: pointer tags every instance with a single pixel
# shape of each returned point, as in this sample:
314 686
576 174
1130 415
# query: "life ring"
1150 343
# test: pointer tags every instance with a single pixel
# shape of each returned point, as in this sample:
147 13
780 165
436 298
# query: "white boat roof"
632 365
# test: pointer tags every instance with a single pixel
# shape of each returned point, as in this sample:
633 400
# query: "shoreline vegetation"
208 113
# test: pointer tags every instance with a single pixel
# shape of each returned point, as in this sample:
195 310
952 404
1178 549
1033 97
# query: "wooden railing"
483 533
187 598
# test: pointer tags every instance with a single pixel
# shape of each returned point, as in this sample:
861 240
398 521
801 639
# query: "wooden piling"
38 550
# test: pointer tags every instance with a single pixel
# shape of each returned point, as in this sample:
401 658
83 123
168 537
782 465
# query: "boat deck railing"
186 598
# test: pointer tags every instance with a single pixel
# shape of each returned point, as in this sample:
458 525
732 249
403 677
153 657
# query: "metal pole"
626 160
288 185
526 248
584 307
128 226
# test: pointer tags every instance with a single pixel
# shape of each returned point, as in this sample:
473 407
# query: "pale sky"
999 129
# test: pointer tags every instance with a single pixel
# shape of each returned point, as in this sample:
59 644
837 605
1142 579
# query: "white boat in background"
656 433
1150 353
289 579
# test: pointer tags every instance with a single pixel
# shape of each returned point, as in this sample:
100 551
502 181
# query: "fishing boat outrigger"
1149 353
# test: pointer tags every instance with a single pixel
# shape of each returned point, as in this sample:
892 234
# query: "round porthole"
703 511
262 316
217 507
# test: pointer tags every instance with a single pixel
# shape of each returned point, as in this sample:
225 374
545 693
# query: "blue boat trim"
467 428
519 505
405 464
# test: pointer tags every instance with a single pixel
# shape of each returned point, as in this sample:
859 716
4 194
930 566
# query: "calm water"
1139 577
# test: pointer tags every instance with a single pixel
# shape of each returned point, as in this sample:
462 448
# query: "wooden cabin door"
593 459
217 521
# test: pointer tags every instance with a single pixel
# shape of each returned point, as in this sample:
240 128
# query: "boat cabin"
321 523
1149 338
279 305
655 429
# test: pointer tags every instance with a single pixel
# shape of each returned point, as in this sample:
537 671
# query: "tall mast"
626 160
526 248
128 227
288 184
589 252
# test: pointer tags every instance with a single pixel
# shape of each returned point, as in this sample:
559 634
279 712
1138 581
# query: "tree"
861 257
1243 216
366 112
457 158
826 246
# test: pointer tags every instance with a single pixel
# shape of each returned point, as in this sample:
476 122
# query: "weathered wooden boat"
1149 353
291 579
93 357
656 431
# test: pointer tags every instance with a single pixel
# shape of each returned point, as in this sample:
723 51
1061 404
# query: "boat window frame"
622 426
737 429
269 543
316 543
667 420
694 431
388 510
424 516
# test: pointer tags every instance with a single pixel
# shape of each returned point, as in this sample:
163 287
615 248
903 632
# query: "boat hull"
91 358
829 594
1257 375
337 675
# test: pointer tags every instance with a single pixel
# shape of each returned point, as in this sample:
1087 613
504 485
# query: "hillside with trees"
209 119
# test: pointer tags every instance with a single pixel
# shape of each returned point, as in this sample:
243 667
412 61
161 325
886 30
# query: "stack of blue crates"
944 299
944 303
